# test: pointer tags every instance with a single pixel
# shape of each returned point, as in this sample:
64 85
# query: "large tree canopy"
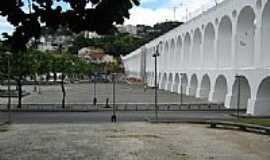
28 17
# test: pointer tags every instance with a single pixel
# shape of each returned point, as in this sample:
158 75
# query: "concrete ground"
129 141
83 93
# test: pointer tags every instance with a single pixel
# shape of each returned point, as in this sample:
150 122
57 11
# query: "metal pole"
113 119
156 96
238 96
114 96
181 94
9 93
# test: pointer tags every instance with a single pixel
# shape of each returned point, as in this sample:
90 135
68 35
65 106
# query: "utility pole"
113 118
175 9
155 56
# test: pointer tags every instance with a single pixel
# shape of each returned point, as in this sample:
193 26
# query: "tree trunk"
35 83
63 91
19 83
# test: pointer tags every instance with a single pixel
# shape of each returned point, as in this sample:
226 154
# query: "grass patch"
258 121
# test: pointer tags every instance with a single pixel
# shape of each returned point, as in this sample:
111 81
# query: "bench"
241 126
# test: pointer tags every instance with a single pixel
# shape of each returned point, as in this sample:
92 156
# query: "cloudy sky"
149 12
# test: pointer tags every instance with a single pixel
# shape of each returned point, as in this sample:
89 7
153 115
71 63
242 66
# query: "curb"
205 122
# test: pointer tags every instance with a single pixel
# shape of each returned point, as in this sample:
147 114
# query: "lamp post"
181 88
95 90
9 93
113 118
238 78
155 56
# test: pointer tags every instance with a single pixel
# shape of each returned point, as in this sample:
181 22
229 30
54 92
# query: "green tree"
77 17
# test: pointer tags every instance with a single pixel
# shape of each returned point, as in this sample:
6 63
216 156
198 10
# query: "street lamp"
113 118
155 56
95 97
238 78
181 88
9 93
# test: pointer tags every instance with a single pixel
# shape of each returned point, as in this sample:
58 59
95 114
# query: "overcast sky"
149 12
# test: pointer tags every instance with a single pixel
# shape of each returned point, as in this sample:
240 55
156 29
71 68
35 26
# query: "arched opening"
224 44
193 85
164 81
170 82
208 47
176 83
205 87
245 93
221 90
196 50
266 35
172 57
166 55
245 38
184 83
179 52
262 104
186 55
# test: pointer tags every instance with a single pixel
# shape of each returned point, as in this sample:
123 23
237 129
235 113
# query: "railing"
119 107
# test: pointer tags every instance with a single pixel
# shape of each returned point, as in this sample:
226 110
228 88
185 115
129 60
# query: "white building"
209 50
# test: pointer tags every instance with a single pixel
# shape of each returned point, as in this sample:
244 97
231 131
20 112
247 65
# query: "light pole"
155 56
238 78
95 88
9 93
181 88
113 119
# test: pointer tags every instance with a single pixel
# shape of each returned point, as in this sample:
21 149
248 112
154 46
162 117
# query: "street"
96 117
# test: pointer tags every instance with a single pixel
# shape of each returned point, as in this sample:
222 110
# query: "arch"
266 35
193 85
166 55
262 103
196 49
208 46
245 38
224 42
164 81
205 87
184 83
170 82
172 57
186 54
245 93
221 90
179 51
176 83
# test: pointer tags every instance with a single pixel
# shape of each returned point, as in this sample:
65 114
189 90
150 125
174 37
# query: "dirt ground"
129 141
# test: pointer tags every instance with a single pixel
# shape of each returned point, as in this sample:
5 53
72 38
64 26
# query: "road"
96 117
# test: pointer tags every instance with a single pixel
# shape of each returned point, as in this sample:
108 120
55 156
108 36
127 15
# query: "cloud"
184 8
5 26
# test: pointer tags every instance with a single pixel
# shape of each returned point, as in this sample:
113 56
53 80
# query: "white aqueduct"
209 50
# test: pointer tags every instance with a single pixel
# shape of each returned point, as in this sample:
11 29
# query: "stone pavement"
129 141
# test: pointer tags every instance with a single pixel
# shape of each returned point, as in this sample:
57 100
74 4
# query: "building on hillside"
95 55
128 29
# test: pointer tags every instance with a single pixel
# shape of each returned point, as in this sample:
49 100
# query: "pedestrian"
107 103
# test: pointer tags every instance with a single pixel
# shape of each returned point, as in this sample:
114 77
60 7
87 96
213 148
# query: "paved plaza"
129 141
84 93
